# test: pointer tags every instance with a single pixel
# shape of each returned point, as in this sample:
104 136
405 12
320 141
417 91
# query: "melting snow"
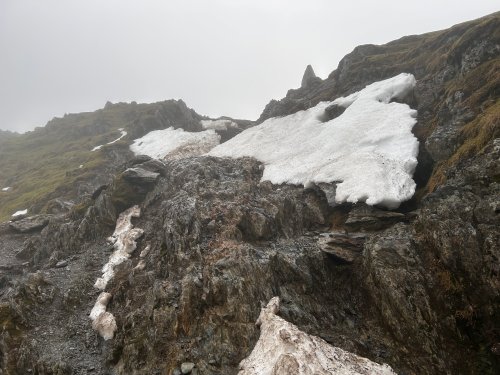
103 321
19 213
284 349
6 188
124 242
369 149
221 124
175 143
123 134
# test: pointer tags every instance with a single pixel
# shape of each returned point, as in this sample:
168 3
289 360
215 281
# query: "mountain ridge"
416 288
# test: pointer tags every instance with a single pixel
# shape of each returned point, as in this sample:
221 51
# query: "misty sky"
222 57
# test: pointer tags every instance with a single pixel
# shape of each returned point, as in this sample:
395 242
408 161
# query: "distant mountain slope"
54 164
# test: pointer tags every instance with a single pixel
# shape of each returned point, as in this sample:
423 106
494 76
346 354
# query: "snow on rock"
6 188
123 134
220 124
20 213
103 321
124 242
284 349
175 143
369 149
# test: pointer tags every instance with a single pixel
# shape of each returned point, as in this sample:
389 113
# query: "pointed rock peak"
308 76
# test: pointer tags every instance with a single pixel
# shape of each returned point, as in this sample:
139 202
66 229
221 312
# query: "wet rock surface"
417 289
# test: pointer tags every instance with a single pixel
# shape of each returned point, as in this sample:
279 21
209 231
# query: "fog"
222 57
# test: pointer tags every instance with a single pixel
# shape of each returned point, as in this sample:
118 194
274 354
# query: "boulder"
140 176
30 224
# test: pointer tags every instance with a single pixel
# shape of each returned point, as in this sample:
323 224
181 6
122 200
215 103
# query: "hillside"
53 167
354 229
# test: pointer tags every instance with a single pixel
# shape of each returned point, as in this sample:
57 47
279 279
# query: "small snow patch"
6 188
283 349
19 213
175 143
369 149
103 321
124 242
221 124
123 134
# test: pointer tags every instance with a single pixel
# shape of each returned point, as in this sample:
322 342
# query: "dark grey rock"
138 175
342 246
30 224
309 77
368 218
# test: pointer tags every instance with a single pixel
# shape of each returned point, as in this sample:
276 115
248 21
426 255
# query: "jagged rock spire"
309 76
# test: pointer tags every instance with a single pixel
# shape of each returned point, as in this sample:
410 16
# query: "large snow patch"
175 143
369 149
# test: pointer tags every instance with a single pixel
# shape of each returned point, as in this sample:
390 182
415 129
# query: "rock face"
283 349
417 288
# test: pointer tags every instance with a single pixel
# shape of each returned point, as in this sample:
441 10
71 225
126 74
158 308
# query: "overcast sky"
223 57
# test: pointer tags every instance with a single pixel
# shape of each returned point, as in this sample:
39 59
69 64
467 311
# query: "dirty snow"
175 143
369 149
6 188
123 133
102 321
220 124
283 349
19 213
124 242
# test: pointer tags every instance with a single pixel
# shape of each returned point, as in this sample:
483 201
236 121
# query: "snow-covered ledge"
283 349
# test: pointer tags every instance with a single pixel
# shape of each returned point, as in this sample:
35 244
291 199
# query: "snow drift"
175 143
369 149
284 349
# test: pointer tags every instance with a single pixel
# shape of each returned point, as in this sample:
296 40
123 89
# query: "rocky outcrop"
416 288
30 223
309 78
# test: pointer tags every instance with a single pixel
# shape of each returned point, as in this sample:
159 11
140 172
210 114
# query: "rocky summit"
116 262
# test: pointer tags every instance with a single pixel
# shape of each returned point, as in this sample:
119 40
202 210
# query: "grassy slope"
36 163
